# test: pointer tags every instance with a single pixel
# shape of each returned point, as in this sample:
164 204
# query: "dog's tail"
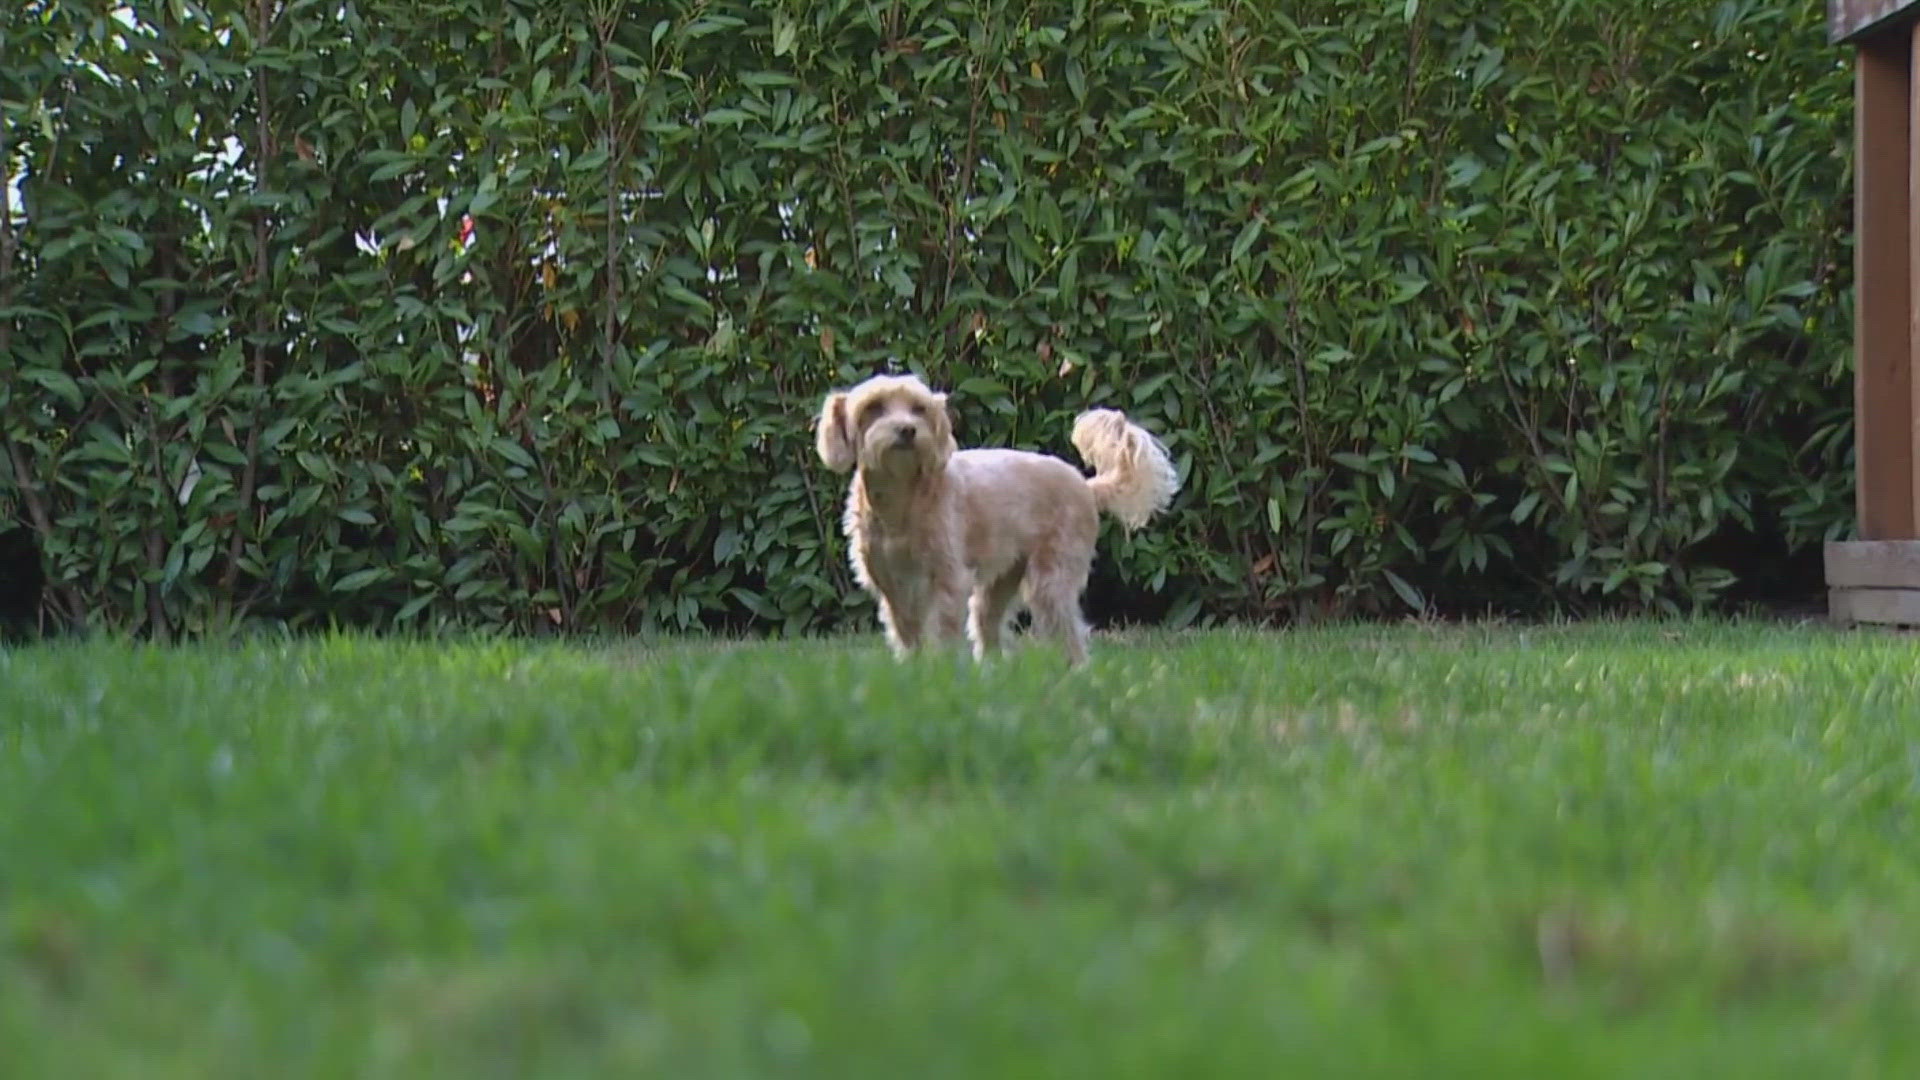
1133 478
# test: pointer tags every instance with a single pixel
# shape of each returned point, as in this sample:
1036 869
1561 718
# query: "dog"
948 540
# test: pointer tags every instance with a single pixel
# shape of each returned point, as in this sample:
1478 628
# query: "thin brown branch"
250 471
37 509
608 19
965 184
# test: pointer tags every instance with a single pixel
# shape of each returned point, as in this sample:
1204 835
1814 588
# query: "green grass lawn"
1685 850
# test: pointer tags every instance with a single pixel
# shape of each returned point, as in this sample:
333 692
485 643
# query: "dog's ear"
943 428
832 436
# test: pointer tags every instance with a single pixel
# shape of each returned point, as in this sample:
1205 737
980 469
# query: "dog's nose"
904 436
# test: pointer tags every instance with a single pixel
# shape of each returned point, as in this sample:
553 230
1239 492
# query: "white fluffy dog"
944 537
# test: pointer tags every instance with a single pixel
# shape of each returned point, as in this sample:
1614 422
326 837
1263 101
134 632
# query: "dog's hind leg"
987 612
1052 591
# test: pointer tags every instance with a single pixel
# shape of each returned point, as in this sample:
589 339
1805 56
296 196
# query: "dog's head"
890 424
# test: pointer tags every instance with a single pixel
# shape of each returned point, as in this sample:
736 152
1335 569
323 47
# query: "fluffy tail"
1133 478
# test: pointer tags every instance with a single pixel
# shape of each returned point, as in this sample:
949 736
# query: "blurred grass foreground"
1639 849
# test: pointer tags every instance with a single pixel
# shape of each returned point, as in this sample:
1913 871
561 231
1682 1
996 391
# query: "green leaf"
512 451
360 579
1244 242
755 603
1407 593
56 382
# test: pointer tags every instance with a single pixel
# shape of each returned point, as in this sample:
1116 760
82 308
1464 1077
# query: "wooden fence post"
1876 579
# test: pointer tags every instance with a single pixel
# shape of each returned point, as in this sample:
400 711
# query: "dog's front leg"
904 624
948 619
913 627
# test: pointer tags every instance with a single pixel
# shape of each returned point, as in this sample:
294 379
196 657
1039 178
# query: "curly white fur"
947 539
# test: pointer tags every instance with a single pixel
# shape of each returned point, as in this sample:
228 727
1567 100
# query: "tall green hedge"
1439 302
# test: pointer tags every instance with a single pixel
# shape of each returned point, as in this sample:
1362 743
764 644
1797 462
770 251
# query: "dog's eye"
919 409
868 411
